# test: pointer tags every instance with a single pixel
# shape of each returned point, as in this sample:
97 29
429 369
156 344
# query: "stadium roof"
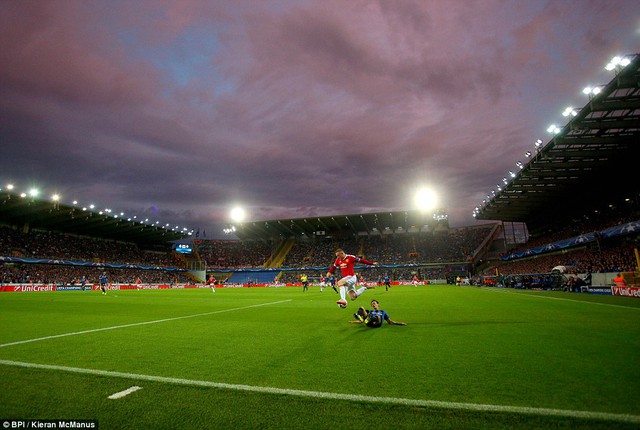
37 214
339 225
590 164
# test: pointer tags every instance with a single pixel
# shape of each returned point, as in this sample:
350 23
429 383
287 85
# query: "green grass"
468 345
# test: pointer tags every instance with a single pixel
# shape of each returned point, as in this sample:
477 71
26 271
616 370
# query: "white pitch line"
499 290
123 393
139 323
635 419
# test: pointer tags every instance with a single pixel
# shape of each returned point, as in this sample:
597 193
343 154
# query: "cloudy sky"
178 110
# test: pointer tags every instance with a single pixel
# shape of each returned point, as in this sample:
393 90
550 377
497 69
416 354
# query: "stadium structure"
379 223
588 167
27 212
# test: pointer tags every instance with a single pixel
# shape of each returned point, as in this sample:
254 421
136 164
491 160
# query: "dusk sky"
179 110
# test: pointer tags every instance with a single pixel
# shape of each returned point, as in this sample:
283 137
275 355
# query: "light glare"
426 199
237 214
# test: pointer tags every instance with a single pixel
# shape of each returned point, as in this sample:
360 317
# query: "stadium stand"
578 196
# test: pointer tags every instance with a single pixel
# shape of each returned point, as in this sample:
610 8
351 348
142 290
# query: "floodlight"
592 91
553 129
23 195
505 180
513 175
615 61
92 206
625 62
538 143
10 187
519 164
55 197
34 192
237 214
527 154
426 199
75 202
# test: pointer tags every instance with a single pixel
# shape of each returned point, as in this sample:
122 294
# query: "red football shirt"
347 263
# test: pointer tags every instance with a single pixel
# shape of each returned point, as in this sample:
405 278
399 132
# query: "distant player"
347 284
322 284
305 282
332 281
387 282
373 318
212 284
103 283
415 281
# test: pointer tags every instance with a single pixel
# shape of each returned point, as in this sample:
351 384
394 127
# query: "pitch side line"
139 323
635 419
499 290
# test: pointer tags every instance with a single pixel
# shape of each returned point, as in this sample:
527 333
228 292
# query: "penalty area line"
635 419
75 333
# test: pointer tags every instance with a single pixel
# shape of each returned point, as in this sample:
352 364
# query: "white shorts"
351 282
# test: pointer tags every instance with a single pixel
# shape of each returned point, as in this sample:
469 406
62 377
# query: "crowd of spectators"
58 246
456 245
11 273
234 253
615 256
441 248
588 224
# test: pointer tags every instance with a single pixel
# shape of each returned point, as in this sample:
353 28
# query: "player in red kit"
347 284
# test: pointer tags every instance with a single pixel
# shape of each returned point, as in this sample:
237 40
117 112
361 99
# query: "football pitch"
280 358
